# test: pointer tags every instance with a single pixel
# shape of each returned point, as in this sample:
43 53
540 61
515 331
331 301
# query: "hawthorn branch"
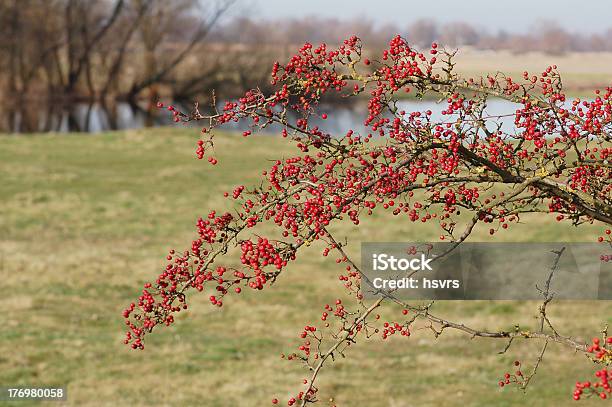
348 335
535 367
548 296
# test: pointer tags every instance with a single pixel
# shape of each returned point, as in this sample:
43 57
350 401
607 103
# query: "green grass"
85 220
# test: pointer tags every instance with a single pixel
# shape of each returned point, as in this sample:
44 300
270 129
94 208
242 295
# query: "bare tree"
80 41
459 33
154 29
423 32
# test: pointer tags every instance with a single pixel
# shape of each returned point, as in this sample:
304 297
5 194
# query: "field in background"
581 72
85 220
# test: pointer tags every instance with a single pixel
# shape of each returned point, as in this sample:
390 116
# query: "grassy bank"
85 220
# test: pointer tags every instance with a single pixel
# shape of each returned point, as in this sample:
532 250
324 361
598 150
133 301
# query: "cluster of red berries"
391 328
176 114
513 378
600 388
602 351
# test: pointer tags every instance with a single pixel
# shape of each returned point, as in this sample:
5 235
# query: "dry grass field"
85 220
582 72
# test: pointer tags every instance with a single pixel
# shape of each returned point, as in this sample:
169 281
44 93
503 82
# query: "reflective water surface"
95 117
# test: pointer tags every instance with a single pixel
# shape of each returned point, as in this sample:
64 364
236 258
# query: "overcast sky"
511 15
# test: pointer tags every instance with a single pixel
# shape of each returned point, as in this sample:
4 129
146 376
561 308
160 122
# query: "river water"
94 118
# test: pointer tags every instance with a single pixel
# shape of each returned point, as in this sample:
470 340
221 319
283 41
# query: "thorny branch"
554 159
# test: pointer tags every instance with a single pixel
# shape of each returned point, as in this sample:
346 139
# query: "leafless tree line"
96 49
135 48
58 52
546 36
